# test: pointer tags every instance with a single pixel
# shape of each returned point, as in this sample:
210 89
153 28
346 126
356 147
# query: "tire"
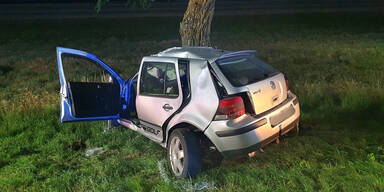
184 154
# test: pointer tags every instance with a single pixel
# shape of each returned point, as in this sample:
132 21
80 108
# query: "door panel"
159 93
90 90
153 109
94 99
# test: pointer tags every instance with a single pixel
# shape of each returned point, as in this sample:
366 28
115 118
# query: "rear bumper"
248 133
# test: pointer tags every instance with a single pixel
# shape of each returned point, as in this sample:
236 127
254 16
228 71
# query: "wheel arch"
182 125
185 125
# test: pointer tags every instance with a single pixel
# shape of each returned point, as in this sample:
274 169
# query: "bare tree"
195 28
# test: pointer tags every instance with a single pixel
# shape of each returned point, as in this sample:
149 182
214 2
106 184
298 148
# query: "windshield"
244 70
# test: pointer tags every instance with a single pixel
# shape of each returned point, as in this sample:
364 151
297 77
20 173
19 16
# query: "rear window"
244 70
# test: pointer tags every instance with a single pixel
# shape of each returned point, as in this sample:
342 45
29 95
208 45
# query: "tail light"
286 85
230 108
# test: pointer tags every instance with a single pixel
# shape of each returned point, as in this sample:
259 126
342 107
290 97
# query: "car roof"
205 53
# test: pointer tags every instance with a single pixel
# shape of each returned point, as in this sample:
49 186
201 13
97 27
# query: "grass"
334 63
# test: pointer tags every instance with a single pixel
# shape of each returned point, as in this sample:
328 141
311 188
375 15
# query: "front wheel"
184 153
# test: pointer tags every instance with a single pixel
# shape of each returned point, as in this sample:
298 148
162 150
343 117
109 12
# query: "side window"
159 79
84 70
171 88
184 77
152 79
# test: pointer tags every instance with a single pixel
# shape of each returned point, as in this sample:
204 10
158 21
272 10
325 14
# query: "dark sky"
66 1
53 1
63 1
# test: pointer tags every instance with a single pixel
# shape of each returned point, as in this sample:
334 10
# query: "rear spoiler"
238 53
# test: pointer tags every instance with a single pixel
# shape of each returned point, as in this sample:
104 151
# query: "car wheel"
184 153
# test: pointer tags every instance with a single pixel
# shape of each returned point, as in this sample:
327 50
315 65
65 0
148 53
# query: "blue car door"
90 89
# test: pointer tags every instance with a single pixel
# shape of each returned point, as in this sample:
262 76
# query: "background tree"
195 28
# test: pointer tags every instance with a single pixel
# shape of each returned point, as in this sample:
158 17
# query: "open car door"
90 89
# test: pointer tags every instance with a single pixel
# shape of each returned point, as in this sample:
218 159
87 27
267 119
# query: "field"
334 63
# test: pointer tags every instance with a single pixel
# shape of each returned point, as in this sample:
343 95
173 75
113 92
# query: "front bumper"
248 133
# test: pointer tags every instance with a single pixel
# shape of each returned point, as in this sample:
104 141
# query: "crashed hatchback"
190 100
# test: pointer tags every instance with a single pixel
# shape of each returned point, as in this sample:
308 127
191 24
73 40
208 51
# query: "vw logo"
273 86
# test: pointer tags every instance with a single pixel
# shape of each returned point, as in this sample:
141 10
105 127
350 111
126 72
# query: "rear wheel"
184 153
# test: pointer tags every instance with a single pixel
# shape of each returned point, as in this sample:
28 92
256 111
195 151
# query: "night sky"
53 1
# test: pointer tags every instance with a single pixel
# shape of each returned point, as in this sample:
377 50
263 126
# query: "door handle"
167 107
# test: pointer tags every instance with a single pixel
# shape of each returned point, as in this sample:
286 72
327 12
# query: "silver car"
191 100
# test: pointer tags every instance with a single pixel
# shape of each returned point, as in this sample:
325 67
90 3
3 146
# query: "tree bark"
195 29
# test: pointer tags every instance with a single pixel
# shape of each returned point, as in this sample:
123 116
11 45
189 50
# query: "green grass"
334 63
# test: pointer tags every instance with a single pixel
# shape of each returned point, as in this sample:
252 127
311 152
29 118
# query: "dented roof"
205 53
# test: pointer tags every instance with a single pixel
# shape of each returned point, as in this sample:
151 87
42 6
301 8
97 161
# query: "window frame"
114 80
187 64
166 68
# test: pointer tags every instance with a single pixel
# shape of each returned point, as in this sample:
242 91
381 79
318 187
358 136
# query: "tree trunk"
195 29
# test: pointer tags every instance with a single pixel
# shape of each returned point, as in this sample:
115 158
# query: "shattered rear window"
245 70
